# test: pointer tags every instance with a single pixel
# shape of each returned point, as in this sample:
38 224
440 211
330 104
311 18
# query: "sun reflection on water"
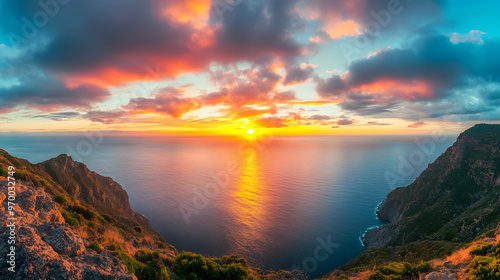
249 208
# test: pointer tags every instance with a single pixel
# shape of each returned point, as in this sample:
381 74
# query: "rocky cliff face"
103 193
454 199
47 247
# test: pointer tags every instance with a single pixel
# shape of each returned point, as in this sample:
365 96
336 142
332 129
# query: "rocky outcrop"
454 199
46 247
103 193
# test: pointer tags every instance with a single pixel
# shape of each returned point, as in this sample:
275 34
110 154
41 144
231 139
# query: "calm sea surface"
283 198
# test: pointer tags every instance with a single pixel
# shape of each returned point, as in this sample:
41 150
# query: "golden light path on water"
249 203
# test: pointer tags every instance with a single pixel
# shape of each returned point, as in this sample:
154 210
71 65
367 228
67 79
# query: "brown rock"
47 247
62 239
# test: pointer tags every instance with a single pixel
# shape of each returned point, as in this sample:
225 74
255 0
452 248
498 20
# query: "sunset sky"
210 67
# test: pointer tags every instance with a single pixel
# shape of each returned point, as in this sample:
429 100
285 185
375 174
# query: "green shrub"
86 213
114 247
108 218
129 262
21 175
70 220
4 172
77 216
146 255
91 225
163 275
399 270
481 249
95 246
190 266
484 268
138 229
61 199
152 270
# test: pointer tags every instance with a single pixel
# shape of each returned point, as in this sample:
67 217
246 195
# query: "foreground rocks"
47 247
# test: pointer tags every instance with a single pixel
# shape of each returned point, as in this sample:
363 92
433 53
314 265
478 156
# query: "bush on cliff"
399 270
481 249
4 172
484 268
190 266
96 246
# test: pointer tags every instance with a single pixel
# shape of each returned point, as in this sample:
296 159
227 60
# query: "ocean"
280 202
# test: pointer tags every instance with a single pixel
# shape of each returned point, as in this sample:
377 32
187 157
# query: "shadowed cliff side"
445 225
454 199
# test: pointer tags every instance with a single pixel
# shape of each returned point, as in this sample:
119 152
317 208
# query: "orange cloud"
195 12
409 90
343 29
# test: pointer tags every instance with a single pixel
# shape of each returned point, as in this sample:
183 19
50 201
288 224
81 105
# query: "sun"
250 131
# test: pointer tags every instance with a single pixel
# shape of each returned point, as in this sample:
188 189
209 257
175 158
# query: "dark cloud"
114 43
344 122
46 94
431 77
106 117
367 104
298 74
246 87
162 104
319 118
60 116
333 86
259 30
377 17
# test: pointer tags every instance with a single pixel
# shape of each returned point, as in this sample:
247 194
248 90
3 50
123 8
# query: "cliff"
73 223
454 199
445 225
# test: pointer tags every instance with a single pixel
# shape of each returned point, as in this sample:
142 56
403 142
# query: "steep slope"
454 199
104 194
445 225
88 212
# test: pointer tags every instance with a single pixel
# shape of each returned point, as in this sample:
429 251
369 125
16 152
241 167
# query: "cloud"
59 116
271 122
377 18
330 87
429 78
474 36
377 123
344 122
46 93
319 118
106 117
150 40
298 74
164 104
246 87
416 124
